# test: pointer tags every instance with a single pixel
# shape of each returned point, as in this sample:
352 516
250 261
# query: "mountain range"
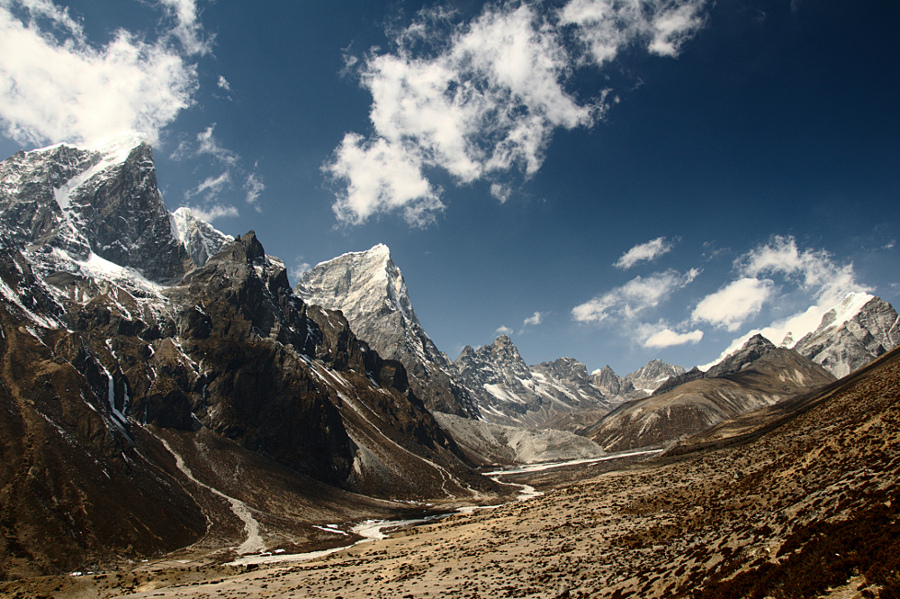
164 386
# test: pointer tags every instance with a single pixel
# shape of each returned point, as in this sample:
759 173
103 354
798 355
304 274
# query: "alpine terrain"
177 421
163 386
550 395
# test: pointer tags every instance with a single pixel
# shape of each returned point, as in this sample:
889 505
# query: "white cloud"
820 280
254 188
814 270
665 337
481 98
55 86
380 177
207 144
211 213
223 84
634 297
731 305
503 330
187 28
210 186
300 267
501 192
644 251
605 27
534 320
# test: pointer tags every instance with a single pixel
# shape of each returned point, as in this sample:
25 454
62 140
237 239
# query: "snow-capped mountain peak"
371 292
199 238
366 282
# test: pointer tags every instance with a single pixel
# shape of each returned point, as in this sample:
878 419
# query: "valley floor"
807 509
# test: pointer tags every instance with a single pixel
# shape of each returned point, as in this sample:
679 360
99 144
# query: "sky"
609 180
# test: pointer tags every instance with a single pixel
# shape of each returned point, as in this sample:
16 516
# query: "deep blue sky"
760 148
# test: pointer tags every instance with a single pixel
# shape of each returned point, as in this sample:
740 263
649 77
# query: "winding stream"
374 530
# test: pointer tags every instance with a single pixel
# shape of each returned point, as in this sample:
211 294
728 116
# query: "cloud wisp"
644 252
661 336
634 298
56 86
480 99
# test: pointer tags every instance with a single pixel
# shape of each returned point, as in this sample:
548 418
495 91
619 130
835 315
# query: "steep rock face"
610 383
758 375
200 239
550 395
127 405
102 201
368 288
852 334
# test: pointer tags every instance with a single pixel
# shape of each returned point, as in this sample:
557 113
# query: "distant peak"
758 340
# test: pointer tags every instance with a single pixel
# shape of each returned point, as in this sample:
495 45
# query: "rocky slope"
493 444
129 401
805 508
758 375
508 392
368 288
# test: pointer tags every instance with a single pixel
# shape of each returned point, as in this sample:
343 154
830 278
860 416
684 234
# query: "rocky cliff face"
129 404
101 201
200 239
555 394
852 334
368 288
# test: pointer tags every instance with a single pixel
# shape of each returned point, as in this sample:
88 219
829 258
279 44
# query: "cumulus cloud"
55 86
482 98
731 305
814 270
658 338
534 320
503 330
643 252
605 27
634 297
381 177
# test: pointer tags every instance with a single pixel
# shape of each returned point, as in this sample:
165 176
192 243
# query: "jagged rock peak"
100 200
369 281
201 240
653 374
853 333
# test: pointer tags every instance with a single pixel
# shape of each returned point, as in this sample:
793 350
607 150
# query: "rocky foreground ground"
804 506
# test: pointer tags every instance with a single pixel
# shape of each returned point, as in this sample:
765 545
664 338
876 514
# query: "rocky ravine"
806 507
